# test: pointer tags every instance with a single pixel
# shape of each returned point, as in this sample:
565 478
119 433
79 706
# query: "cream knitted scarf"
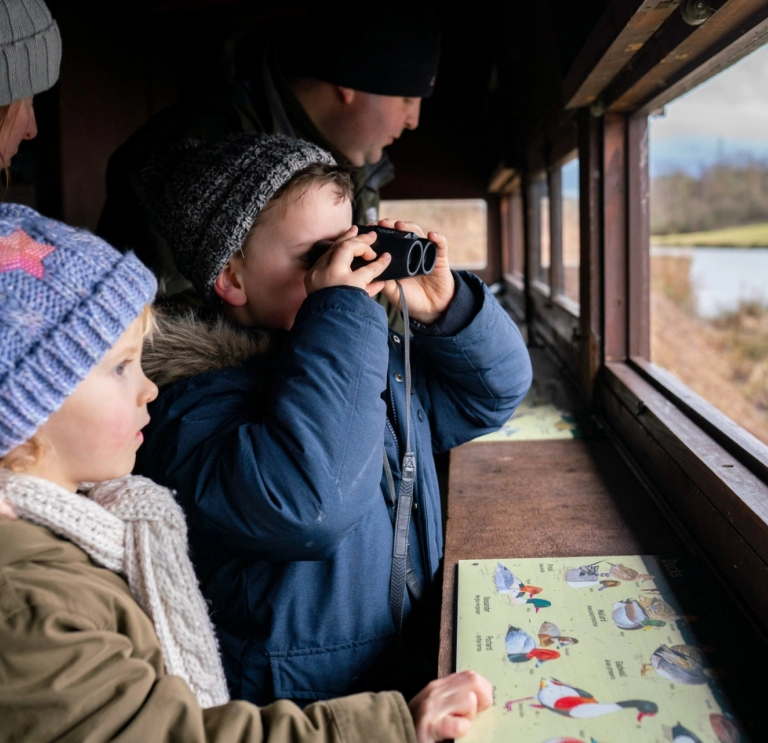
134 527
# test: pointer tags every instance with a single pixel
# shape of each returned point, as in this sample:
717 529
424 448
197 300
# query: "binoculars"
411 255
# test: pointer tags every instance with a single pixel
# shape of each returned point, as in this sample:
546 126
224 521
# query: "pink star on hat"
18 251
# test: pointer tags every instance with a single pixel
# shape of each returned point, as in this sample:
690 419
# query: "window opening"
569 193
464 222
541 243
709 240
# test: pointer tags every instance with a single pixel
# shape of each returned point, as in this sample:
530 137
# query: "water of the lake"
722 277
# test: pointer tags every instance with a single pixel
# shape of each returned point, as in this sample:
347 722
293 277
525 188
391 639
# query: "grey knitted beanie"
30 49
204 197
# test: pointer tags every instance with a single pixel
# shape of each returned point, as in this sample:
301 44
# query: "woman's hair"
28 455
317 174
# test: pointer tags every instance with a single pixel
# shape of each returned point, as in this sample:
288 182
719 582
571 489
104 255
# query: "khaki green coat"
80 661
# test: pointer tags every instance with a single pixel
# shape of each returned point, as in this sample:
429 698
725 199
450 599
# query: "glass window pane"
540 202
709 244
569 176
464 222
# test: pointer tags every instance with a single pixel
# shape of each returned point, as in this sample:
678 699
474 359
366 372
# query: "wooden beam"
555 231
677 50
624 28
750 451
638 235
724 527
590 252
738 494
615 237
729 50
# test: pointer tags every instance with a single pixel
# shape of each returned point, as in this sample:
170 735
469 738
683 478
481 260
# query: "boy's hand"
428 297
333 268
445 708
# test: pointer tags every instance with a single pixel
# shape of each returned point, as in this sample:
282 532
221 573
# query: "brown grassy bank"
723 360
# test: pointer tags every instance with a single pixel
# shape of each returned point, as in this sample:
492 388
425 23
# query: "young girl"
103 632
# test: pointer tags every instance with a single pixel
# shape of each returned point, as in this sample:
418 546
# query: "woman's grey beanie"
30 49
204 197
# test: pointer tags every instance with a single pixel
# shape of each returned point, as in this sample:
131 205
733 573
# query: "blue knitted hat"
65 299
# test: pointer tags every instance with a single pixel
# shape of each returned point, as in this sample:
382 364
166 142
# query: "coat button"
398 377
421 415
396 338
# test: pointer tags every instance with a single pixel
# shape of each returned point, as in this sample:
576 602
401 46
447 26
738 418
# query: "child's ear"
346 95
229 286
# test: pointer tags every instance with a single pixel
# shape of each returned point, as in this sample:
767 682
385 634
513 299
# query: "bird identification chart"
597 650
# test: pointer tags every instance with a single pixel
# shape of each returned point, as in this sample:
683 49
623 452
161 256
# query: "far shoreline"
744 236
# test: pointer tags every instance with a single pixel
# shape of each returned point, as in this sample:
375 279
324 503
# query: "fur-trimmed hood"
187 343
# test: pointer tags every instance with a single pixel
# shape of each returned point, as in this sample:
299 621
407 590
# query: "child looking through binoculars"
290 422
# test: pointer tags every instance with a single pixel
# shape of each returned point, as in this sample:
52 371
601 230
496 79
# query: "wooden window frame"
512 208
710 472
512 238
710 476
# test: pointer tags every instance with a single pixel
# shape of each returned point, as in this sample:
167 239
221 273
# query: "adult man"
351 84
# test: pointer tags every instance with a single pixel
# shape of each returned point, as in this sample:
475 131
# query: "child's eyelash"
120 368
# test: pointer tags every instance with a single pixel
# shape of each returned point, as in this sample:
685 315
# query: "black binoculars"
411 255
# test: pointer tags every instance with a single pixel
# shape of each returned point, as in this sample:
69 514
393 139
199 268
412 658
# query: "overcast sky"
732 105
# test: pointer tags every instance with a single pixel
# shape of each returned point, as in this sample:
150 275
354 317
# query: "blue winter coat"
277 462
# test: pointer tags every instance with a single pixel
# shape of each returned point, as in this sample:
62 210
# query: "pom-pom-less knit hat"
30 49
358 46
204 197
65 299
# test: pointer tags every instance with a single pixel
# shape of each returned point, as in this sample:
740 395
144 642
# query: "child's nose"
149 391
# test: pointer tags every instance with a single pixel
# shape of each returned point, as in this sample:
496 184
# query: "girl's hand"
6 509
446 707
428 297
334 267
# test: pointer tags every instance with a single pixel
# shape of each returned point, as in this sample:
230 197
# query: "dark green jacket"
80 661
250 95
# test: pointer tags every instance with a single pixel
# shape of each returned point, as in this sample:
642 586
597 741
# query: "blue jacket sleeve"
471 382
287 482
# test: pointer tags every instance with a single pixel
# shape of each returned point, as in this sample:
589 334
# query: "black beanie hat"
387 52
205 196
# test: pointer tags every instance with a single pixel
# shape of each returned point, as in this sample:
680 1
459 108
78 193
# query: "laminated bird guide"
619 649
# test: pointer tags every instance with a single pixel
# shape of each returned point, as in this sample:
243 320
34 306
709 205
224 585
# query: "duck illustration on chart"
680 664
514 590
681 734
549 634
521 647
622 572
643 613
578 704
590 576
509 585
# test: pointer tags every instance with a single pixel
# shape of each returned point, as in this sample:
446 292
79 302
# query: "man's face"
369 123
272 272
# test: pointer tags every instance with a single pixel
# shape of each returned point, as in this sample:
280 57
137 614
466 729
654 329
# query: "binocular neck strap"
402 568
